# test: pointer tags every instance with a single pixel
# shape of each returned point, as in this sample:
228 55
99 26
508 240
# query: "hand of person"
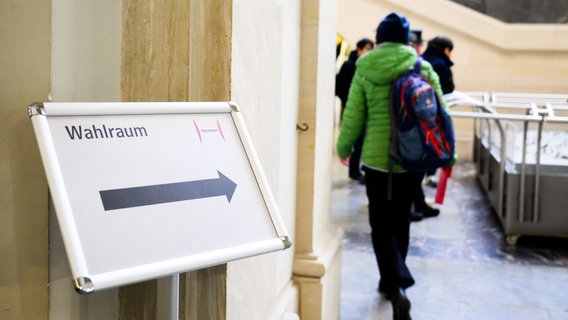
345 161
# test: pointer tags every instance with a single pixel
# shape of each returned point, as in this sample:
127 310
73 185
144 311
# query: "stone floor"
462 266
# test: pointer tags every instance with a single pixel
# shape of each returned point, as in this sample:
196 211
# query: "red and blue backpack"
422 137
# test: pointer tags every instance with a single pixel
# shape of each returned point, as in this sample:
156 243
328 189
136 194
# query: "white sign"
143 190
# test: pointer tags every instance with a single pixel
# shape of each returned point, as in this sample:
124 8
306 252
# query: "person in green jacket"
389 193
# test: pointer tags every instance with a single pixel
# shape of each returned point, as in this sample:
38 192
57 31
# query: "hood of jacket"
384 64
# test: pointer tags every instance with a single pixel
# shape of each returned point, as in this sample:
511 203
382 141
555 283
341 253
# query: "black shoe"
357 177
428 212
400 304
416 216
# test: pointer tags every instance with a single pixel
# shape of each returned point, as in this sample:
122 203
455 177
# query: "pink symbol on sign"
208 131
197 129
220 131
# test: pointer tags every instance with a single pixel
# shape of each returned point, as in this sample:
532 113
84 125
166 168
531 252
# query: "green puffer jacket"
369 98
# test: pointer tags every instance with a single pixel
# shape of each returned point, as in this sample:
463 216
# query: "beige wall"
318 240
24 59
85 66
264 85
85 47
488 55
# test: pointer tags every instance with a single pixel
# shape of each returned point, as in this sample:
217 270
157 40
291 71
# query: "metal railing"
533 113
540 99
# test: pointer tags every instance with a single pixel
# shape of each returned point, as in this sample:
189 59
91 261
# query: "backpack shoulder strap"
418 65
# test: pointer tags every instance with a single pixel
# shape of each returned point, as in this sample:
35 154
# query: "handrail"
533 114
538 98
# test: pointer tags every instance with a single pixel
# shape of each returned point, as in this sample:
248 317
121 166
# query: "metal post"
168 297
174 296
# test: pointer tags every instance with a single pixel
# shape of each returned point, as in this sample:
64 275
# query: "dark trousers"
390 224
419 200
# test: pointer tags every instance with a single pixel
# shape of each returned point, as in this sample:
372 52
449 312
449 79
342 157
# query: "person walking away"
415 40
420 208
439 53
342 84
368 108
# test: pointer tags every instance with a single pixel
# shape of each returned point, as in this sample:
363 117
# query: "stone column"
317 242
177 51
210 30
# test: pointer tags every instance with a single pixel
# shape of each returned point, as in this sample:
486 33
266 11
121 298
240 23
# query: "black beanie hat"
393 28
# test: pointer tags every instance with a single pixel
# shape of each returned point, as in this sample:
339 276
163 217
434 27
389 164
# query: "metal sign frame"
71 208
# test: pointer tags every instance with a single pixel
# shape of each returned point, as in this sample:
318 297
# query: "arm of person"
353 119
343 81
432 77
446 78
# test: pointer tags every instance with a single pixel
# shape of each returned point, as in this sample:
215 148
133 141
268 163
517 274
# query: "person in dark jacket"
421 207
438 53
342 84
388 187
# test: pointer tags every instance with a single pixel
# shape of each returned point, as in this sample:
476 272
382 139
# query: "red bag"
445 174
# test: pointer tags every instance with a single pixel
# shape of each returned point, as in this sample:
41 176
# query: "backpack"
422 137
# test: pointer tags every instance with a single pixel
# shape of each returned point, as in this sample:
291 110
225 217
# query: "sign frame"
84 280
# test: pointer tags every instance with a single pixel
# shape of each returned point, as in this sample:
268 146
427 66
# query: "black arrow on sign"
165 193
